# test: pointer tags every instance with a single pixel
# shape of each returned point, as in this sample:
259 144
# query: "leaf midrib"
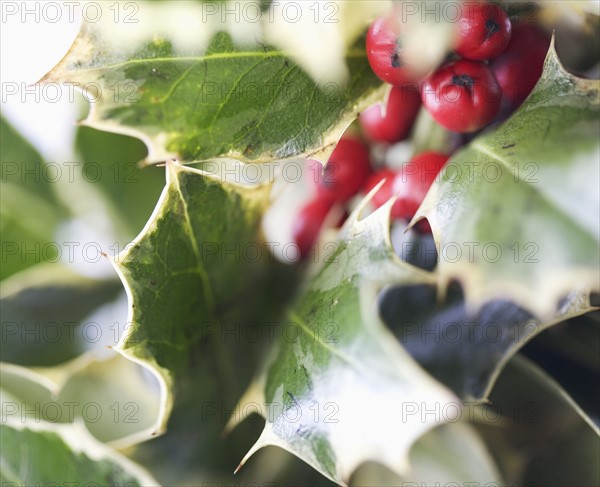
352 53
208 292
341 355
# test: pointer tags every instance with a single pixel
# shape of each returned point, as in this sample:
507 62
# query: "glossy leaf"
336 391
180 280
249 102
516 213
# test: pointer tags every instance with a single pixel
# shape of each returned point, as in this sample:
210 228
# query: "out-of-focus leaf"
537 432
117 403
449 454
570 354
43 310
29 210
42 454
111 164
465 349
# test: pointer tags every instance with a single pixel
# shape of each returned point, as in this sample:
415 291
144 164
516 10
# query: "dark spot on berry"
396 62
491 26
508 146
463 80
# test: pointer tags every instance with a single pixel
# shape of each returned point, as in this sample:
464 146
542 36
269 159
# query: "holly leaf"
44 453
452 453
29 208
249 102
110 395
111 162
190 267
43 310
556 442
516 213
466 349
570 354
337 390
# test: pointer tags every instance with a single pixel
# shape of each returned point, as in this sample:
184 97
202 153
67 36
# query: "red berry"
308 223
384 52
345 173
410 184
519 68
483 32
400 112
462 96
414 180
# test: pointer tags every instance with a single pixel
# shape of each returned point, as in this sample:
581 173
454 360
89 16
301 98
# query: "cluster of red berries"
495 63
494 67
348 173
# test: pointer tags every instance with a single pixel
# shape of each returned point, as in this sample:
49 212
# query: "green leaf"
112 164
248 102
538 432
466 349
451 454
43 309
110 394
570 354
42 454
29 210
336 391
516 213
187 271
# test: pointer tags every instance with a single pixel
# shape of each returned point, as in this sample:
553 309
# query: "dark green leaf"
191 266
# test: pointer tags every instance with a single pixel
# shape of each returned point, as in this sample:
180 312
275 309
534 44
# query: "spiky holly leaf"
340 390
190 266
466 349
516 214
109 394
539 433
250 102
40 453
450 454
